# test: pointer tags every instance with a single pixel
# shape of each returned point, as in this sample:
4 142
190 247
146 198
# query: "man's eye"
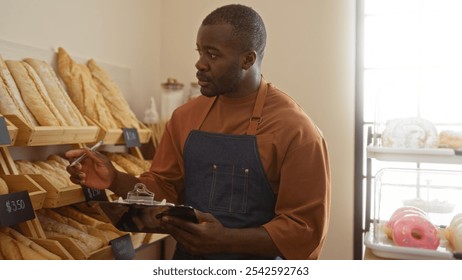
213 56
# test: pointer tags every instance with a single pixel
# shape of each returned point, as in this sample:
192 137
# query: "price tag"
94 194
4 134
15 208
131 137
122 248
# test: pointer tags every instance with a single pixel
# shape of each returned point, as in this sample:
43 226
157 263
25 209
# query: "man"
244 155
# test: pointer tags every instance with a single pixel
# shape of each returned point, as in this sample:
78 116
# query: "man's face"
219 68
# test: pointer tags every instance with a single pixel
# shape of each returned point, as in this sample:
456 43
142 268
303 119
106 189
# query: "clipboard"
139 212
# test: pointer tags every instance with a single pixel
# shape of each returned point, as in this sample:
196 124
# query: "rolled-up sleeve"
303 202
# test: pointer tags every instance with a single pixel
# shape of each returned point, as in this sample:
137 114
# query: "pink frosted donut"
397 214
415 231
400 212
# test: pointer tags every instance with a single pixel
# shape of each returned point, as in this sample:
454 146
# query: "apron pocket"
229 188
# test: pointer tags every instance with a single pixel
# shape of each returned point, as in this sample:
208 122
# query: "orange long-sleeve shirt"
293 154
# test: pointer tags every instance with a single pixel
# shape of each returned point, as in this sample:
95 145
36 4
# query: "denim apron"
224 177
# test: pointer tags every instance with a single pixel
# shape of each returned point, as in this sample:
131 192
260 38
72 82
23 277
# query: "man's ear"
248 59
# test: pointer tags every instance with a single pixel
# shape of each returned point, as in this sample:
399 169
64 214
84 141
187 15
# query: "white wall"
310 55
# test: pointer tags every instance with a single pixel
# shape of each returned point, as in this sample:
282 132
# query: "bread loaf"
9 94
125 163
34 94
83 91
3 187
32 245
9 247
62 161
56 179
451 139
145 164
78 216
114 98
49 224
57 93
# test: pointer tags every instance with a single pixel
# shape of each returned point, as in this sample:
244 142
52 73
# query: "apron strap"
205 112
256 118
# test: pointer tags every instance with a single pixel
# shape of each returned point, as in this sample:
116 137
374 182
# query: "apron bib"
224 176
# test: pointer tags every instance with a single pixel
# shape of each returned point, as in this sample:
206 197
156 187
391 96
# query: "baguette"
146 165
80 244
125 163
83 91
62 161
10 96
69 211
31 244
34 94
49 224
116 102
9 248
57 93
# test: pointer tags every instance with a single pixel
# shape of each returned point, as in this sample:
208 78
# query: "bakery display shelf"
50 135
381 246
12 131
439 155
17 183
58 196
53 246
115 136
78 254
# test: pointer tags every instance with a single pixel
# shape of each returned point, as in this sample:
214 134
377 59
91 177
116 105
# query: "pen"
80 158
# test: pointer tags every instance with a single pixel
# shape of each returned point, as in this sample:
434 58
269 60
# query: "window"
409 64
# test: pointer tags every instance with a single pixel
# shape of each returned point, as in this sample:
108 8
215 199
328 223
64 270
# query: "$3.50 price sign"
15 208
15 205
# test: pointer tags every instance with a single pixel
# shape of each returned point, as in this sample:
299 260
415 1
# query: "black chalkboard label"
4 134
122 248
131 137
15 208
94 194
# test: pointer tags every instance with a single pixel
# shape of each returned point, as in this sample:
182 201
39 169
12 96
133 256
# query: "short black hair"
247 23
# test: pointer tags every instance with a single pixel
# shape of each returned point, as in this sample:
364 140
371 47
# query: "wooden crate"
50 135
18 183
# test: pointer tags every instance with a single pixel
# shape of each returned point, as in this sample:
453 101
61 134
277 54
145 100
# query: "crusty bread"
34 94
114 98
83 91
59 159
9 93
58 180
9 248
57 93
49 224
3 187
145 164
450 139
43 253
125 163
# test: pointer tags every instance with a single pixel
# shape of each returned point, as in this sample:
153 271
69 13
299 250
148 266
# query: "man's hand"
95 170
209 236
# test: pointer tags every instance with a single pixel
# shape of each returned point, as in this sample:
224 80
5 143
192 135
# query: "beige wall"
310 55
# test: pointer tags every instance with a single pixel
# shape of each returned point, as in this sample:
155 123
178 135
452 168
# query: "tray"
383 247
439 155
